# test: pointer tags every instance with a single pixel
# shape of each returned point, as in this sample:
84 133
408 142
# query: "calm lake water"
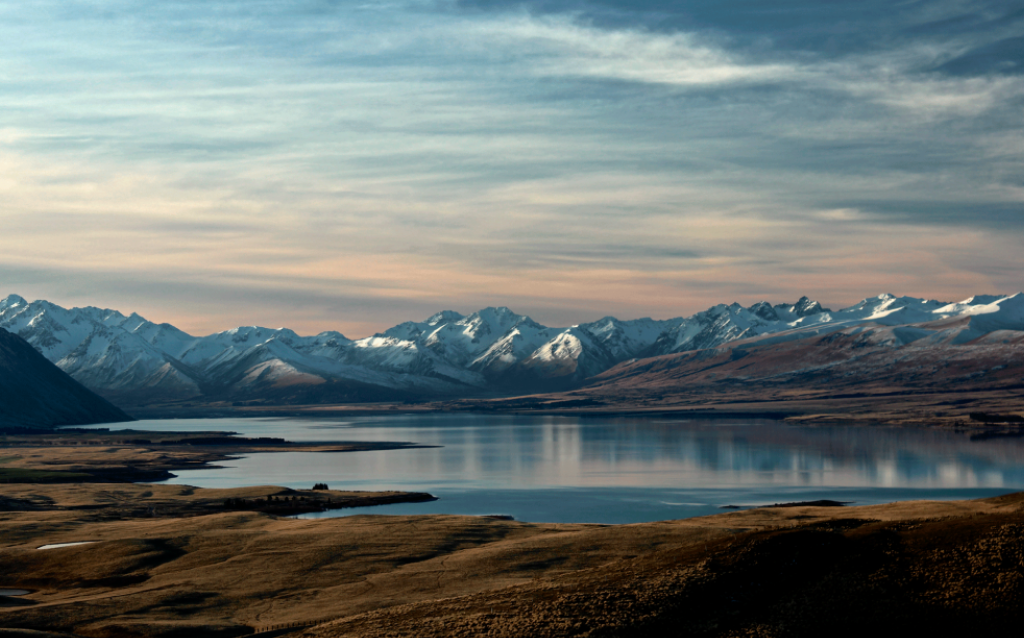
604 470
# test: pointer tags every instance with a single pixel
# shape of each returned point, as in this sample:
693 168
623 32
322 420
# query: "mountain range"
948 355
494 351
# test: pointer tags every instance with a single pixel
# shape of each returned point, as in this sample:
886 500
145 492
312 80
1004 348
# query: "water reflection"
666 465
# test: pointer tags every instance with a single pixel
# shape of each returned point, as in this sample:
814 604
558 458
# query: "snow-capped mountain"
493 350
882 346
721 324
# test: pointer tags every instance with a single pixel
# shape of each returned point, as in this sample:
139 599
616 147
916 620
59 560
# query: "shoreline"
78 455
802 412
947 409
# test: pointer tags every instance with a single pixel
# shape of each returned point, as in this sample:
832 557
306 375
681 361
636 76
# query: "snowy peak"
625 339
493 320
765 311
328 339
980 300
573 353
408 331
12 301
804 307
445 316
886 303
463 341
256 333
721 324
1000 314
979 304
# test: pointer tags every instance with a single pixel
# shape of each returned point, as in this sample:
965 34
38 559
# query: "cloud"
572 158
563 47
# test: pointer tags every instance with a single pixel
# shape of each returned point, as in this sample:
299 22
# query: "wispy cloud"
570 159
563 47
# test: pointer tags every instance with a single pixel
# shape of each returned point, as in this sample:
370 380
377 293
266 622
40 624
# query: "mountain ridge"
493 351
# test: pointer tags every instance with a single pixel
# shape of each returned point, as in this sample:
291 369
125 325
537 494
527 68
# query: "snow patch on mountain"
451 353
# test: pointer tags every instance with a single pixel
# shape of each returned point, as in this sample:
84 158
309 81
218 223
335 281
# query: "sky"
322 164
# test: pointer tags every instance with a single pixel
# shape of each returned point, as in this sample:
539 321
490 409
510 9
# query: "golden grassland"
169 560
771 571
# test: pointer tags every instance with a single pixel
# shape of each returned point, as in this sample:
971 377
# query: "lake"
615 470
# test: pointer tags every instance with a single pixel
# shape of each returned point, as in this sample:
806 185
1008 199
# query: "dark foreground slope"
910 569
36 393
840 577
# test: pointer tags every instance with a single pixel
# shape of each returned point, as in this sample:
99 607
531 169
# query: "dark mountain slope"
36 393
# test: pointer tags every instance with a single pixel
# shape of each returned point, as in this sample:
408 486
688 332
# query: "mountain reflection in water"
569 469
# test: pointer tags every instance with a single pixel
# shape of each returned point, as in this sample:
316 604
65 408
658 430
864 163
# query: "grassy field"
168 561
801 571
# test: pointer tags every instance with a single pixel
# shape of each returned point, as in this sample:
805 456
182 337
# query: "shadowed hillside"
35 393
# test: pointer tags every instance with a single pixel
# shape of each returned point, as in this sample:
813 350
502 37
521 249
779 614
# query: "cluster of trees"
241 503
321 486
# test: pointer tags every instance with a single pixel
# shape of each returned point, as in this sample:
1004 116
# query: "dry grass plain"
917 567
171 561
